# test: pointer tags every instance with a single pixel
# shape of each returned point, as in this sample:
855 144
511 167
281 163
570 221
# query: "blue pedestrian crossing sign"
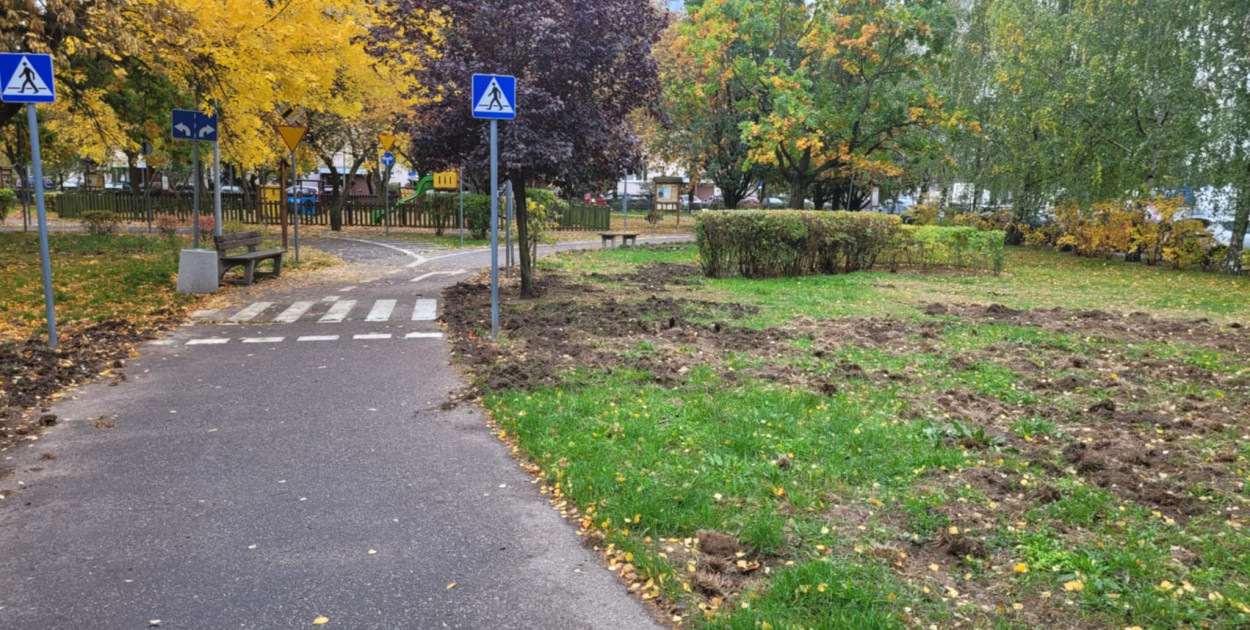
26 78
388 159
189 124
494 96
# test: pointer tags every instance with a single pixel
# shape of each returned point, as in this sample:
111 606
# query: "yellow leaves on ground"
1021 568
1075 586
321 621
451 586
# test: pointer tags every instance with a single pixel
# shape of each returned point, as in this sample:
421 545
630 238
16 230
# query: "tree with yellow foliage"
247 59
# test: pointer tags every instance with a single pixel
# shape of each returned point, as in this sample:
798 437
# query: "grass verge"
888 450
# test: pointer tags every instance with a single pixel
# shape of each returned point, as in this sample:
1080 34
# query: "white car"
1222 230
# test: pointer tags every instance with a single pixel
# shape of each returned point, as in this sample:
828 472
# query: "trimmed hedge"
772 243
928 246
768 243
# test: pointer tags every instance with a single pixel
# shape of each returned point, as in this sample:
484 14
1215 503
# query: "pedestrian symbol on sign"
26 81
494 96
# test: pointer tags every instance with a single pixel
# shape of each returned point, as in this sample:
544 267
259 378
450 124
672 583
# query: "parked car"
637 203
776 203
1221 229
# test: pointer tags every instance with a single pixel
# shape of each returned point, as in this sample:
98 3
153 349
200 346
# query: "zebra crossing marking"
382 310
292 314
421 335
338 312
250 313
425 311
221 341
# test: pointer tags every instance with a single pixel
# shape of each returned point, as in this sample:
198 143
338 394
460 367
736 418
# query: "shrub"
477 215
759 244
167 225
545 210
956 247
100 222
8 199
206 226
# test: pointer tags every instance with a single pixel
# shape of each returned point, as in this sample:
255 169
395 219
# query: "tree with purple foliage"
581 68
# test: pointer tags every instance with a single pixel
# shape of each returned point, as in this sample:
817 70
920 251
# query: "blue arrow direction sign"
388 158
494 96
189 124
26 78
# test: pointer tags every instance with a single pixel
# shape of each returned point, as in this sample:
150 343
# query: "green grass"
94 278
875 476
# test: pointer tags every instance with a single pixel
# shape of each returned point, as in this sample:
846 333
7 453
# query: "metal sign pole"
494 230
26 201
195 204
507 236
147 193
46 258
460 189
386 198
295 191
625 208
283 206
217 188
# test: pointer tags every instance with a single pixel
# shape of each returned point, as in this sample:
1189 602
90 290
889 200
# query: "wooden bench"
627 240
248 260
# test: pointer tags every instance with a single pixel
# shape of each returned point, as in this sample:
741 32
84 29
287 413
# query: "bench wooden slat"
248 260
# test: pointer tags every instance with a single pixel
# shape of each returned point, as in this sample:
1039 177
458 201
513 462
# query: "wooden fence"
431 212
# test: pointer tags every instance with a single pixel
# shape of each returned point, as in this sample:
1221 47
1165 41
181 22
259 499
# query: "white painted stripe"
163 342
319 338
205 314
425 311
250 313
424 336
292 314
437 273
330 298
372 337
338 312
382 310
346 289
264 340
419 258
208 342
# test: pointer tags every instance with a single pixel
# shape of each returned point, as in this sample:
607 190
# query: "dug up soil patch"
31 373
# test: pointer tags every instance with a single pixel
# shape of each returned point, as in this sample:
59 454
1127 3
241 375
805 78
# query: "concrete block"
197 271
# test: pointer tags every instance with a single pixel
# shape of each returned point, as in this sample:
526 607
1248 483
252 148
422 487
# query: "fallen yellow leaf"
1021 568
321 621
451 586
1074 586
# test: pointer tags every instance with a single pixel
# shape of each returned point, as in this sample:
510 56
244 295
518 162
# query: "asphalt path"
265 471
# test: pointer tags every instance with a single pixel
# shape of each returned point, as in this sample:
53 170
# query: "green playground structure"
424 185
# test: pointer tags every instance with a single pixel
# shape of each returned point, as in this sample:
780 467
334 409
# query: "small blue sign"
189 124
494 96
388 158
26 78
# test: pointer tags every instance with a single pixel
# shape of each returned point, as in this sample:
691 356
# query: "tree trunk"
820 194
798 190
336 211
522 214
1232 260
